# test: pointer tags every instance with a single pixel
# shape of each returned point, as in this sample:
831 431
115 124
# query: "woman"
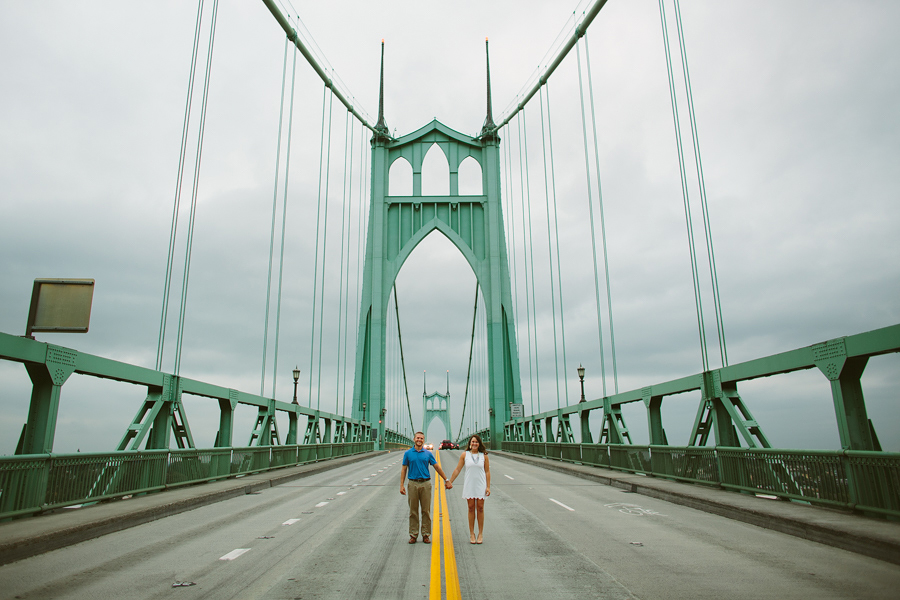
477 484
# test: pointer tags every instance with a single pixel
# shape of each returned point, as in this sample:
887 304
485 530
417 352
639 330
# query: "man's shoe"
426 539
412 539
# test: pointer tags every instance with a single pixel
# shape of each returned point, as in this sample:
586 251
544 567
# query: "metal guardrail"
858 480
30 484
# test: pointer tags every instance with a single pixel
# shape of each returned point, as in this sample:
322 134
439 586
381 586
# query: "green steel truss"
163 413
722 414
474 224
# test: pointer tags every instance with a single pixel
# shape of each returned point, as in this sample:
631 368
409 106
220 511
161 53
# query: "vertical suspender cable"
346 286
178 182
562 315
402 361
262 378
522 168
325 255
549 245
684 192
287 172
612 331
587 170
348 156
312 333
469 369
195 190
510 195
537 369
707 228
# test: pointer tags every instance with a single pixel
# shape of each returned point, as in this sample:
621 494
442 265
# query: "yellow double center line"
441 521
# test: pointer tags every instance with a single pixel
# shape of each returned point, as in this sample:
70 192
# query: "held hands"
447 484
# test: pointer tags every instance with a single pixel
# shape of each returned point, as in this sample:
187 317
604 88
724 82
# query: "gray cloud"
796 108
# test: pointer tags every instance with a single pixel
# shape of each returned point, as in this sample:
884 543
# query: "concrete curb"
874 537
23 538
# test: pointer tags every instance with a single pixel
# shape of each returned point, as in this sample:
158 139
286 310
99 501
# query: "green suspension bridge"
495 224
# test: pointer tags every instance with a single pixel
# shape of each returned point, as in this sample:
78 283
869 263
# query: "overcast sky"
799 128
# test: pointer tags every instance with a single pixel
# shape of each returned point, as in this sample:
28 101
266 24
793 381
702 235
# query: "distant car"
446 445
455 446
429 446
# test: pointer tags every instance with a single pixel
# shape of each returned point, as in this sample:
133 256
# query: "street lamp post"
296 377
581 377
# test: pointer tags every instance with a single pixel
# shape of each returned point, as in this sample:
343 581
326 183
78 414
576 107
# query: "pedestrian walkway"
870 536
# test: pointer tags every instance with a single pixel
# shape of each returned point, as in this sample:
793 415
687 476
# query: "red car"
446 445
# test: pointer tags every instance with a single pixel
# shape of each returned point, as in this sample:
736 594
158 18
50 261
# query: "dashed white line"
321 504
508 477
290 521
341 493
235 553
366 478
563 505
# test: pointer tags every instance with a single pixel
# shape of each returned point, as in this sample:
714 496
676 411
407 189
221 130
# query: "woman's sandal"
479 540
472 539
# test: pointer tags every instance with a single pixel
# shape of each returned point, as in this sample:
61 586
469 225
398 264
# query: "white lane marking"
341 493
508 477
321 504
366 478
235 553
561 504
290 521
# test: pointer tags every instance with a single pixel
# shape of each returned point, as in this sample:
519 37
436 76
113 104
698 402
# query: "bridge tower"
474 224
436 406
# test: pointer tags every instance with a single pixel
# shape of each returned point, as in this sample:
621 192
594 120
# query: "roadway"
341 533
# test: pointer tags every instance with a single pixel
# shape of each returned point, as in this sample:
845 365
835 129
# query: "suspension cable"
178 184
262 378
346 289
612 331
562 315
402 361
325 257
698 304
469 368
549 248
587 170
348 156
707 227
312 341
287 172
195 190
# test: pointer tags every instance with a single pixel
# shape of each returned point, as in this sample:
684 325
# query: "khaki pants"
419 494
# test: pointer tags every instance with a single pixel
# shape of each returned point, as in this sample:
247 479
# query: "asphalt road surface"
342 534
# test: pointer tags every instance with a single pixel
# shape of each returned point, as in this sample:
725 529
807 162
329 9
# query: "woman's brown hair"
481 447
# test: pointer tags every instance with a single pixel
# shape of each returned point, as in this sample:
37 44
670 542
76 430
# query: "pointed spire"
381 128
488 129
448 383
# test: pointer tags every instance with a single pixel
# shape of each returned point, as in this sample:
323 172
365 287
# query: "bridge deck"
611 544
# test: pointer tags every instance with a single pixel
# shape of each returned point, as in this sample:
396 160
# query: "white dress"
475 483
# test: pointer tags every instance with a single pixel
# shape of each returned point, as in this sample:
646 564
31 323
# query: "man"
416 461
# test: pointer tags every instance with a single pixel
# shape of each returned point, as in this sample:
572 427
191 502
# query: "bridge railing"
34 483
858 480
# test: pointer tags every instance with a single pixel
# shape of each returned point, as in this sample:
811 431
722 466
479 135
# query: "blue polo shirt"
418 462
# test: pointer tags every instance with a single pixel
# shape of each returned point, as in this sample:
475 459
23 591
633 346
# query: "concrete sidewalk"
871 536
30 536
